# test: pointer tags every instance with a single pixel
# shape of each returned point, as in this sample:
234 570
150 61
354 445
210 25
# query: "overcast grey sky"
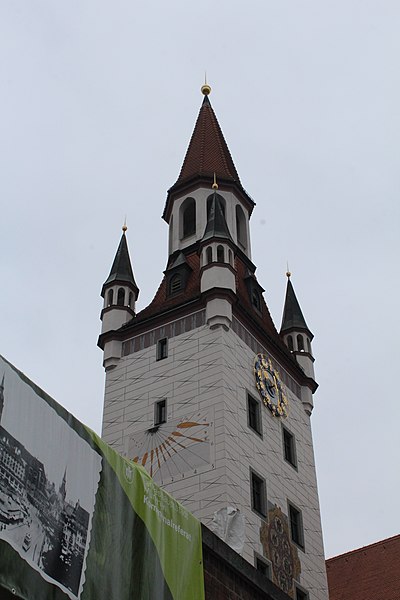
97 104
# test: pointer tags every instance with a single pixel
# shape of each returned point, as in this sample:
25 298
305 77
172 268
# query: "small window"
160 412
121 297
296 525
300 343
256 299
110 297
258 494
241 227
263 567
309 346
175 283
189 217
130 299
230 257
254 414
290 343
162 349
209 255
301 594
220 254
289 447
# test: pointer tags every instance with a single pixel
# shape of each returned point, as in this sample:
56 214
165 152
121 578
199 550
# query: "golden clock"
270 386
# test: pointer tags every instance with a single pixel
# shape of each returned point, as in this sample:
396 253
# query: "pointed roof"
208 151
121 269
292 315
216 223
207 154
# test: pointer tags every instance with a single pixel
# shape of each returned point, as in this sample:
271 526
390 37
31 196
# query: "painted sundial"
179 447
270 386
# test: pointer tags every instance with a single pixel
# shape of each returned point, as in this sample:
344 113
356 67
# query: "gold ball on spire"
206 89
124 227
288 274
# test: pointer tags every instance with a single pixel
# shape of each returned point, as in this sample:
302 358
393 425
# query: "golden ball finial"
288 274
124 227
206 89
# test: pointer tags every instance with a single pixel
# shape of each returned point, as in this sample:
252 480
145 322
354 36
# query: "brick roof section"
366 573
208 152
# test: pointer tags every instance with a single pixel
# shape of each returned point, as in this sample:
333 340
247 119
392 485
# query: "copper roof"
369 572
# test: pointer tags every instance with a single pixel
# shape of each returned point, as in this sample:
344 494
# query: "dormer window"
175 283
188 217
256 299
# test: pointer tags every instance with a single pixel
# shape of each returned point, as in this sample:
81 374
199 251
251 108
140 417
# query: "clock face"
270 387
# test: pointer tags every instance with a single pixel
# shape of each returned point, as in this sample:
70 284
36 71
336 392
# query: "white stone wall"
212 370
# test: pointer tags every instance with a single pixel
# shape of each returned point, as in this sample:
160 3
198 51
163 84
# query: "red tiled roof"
369 573
208 152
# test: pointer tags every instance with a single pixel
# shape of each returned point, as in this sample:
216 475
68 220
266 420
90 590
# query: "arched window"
230 257
300 343
188 217
130 299
209 255
121 297
309 346
220 254
110 297
175 283
241 227
290 343
171 233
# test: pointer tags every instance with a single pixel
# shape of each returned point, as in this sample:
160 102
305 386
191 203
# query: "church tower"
203 391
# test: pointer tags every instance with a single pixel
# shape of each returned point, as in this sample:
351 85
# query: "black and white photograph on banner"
48 485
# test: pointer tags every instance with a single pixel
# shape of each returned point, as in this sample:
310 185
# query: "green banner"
79 521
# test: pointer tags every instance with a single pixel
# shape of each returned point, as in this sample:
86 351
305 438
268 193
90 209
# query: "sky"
97 104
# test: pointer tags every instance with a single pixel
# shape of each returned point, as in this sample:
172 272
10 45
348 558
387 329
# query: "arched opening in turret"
309 346
300 343
289 340
220 254
230 257
188 216
110 297
121 297
171 233
130 299
221 203
209 255
241 227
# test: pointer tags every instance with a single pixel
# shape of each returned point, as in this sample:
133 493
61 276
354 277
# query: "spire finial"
288 273
215 184
205 89
124 226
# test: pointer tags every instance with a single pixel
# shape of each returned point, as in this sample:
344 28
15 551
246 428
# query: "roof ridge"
356 550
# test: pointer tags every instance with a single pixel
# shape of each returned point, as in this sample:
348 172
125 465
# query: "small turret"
298 337
217 263
120 294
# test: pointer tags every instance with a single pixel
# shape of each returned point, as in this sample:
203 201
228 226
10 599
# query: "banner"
78 521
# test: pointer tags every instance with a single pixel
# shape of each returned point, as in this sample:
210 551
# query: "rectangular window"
296 525
301 594
162 348
263 567
160 412
254 414
289 447
258 494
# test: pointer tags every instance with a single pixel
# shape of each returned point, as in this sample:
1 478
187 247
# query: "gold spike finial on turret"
124 226
215 184
205 89
288 273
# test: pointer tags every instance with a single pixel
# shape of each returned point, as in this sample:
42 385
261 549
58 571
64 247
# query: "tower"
203 391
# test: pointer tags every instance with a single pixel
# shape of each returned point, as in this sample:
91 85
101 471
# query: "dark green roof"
292 315
216 223
121 270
